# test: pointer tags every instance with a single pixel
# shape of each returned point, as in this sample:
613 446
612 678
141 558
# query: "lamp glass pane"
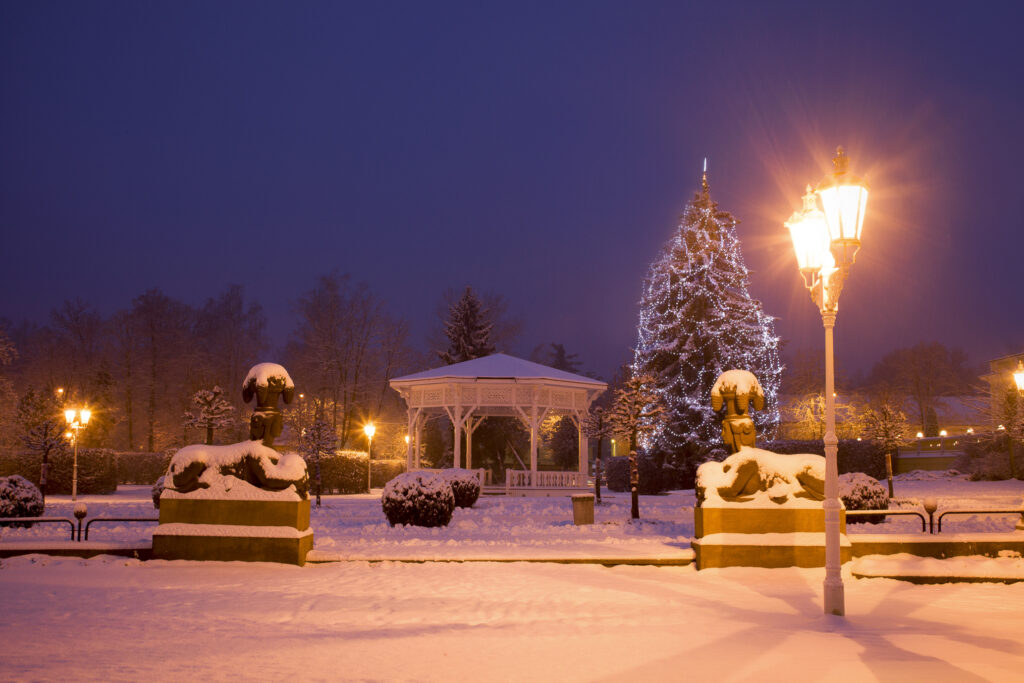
844 210
810 240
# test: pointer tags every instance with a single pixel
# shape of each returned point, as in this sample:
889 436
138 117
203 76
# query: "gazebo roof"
498 366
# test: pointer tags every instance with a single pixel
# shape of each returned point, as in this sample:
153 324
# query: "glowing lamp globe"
844 197
369 430
1018 376
85 414
809 232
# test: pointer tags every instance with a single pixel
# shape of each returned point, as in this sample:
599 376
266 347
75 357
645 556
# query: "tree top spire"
704 179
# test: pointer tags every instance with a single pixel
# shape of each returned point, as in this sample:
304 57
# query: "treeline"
139 369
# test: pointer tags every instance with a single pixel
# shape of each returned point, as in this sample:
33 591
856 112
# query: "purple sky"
539 150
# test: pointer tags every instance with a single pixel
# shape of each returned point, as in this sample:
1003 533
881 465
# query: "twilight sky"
542 151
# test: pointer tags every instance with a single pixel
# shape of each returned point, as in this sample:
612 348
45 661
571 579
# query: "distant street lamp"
369 430
826 242
77 420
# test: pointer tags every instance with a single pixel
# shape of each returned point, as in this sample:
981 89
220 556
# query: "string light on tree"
697 320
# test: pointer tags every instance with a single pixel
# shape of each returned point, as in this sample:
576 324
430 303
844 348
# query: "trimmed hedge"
142 468
854 456
97 470
465 486
345 472
418 498
653 480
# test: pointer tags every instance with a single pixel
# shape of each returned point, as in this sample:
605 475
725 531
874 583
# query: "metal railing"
1000 511
115 519
28 521
4 521
872 513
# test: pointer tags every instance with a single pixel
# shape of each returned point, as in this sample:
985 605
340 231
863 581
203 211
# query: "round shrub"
858 491
19 497
418 498
465 486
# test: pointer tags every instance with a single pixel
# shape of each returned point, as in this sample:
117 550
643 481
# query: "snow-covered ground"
120 619
117 619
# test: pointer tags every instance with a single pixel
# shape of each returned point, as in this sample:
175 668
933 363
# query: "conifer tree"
468 329
697 319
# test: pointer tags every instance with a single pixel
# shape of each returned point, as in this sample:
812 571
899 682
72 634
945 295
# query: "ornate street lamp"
77 420
826 242
369 430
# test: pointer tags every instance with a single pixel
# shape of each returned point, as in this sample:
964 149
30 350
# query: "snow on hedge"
465 485
418 498
262 372
19 497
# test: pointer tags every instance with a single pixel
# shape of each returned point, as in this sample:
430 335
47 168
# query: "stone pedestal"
763 537
225 529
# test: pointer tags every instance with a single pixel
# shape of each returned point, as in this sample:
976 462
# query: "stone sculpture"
743 476
737 391
265 382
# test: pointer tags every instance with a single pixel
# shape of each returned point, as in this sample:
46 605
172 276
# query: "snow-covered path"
116 619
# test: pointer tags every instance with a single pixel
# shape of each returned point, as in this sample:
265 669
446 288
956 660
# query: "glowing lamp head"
920 435
369 430
69 416
1018 376
406 439
844 197
809 232
943 433
85 414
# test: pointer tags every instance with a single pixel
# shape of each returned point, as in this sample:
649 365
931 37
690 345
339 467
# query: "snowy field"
117 619
120 619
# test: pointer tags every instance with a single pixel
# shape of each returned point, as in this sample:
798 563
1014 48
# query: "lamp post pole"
826 243
369 429
77 420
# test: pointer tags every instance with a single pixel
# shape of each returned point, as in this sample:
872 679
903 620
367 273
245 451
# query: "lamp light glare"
369 430
1018 376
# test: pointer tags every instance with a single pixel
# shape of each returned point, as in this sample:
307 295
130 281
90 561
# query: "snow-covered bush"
858 491
157 489
19 497
465 486
418 498
987 460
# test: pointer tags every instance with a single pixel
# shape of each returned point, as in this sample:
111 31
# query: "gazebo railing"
544 480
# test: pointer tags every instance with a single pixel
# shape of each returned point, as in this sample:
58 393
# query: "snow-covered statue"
737 391
757 476
267 381
234 469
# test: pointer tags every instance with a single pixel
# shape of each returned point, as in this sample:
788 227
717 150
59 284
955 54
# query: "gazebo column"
457 421
533 444
471 424
414 416
420 419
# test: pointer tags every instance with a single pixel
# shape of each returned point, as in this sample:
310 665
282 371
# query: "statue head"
737 391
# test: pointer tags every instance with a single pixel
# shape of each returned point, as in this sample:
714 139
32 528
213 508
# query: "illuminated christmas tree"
697 319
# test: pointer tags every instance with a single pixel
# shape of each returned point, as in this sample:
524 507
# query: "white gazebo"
501 385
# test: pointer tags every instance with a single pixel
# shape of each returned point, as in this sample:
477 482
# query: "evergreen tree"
212 412
639 411
468 329
317 440
697 319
